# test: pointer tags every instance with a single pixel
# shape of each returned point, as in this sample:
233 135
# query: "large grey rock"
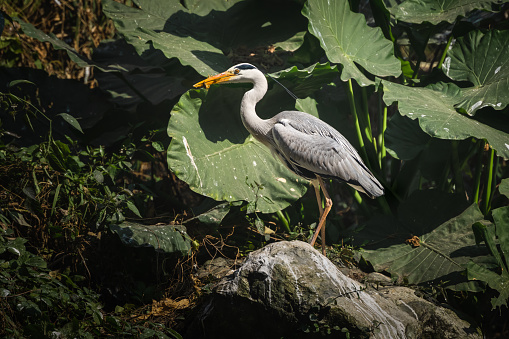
290 290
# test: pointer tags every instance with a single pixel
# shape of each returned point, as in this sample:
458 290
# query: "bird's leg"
323 213
328 206
316 186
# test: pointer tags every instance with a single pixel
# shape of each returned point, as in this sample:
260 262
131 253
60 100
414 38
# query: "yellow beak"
215 79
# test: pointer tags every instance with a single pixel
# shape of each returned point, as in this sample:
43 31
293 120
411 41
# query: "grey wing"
309 146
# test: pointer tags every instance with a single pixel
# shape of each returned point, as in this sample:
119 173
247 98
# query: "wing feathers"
309 146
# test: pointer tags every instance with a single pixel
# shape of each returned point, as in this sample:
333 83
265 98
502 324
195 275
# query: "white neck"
253 123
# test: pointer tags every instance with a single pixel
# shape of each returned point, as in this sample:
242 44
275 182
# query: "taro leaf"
309 52
499 282
152 22
440 253
504 187
213 216
404 138
382 18
501 219
434 107
165 238
302 82
203 7
436 11
292 44
204 58
143 82
347 39
196 34
484 231
80 60
483 60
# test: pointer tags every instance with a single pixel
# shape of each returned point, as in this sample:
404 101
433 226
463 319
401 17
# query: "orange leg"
323 212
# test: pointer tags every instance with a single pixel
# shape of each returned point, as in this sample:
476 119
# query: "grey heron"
305 144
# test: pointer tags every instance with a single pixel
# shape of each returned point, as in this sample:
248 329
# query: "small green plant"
65 192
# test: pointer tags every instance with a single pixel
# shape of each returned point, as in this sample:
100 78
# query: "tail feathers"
369 186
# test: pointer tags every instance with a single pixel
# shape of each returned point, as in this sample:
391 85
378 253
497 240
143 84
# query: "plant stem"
284 221
357 196
367 120
381 138
478 171
351 100
440 63
489 181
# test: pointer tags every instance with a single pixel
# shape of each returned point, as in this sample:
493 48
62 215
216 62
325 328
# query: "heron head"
237 73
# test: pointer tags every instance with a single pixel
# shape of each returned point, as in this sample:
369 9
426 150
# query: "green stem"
478 171
351 100
382 154
367 120
440 63
358 198
489 181
284 221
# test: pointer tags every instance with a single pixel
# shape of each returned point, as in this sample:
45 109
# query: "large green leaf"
504 187
501 219
348 40
483 60
212 216
142 82
147 28
197 32
166 238
204 58
404 138
305 81
499 282
436 11
434 107
440 253
213 152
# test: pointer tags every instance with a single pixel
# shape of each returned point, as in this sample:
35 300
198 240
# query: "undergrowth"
55 202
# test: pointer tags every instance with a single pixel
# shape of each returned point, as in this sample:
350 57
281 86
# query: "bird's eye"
236 71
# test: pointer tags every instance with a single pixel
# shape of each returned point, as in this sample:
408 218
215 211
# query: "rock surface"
289 290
